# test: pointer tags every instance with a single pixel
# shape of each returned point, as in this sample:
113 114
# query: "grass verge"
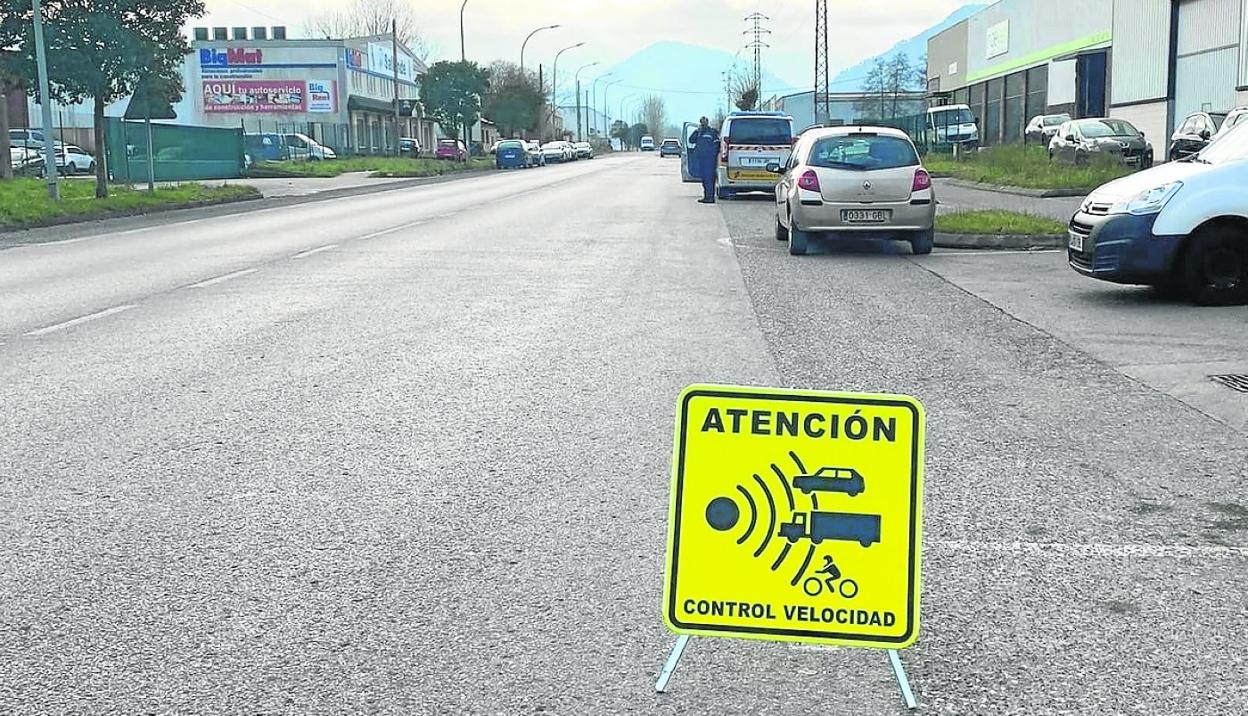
25 202
1026 167
377 166
995 222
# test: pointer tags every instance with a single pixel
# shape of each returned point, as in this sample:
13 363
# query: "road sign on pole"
795 516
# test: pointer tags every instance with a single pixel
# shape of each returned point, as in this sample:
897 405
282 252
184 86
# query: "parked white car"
304 147
1181 226
557 151
73 160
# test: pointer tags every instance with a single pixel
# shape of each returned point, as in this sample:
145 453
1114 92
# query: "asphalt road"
408 453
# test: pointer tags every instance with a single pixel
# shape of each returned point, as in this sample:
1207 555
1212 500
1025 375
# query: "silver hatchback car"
860 182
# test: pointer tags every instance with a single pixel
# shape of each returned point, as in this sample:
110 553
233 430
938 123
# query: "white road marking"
81 319
392 230
222 279
993 252
1068 549
312 252
62 242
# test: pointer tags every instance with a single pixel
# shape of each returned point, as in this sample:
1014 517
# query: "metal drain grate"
1237 382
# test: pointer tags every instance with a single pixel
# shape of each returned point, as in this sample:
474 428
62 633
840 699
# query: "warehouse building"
1016 59
341 92
1175 58
1151 62
845 108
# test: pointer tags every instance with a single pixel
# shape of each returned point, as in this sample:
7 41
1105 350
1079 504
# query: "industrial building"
1151 62
844 107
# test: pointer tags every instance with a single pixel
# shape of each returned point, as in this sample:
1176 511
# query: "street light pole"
554 80
607 106
577 75
526 42
595 93
463 48
45 102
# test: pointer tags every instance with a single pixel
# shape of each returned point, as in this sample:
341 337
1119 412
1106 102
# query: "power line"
262 13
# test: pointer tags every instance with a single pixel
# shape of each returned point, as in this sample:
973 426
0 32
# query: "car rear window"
447 142
759 130
862 152
510 145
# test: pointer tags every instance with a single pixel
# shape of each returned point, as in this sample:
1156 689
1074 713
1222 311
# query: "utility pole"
394 36
45 103
541 131
757 45
578 109
823 105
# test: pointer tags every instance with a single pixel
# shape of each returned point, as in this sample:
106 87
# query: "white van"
952 124
751 141
304 147
647 143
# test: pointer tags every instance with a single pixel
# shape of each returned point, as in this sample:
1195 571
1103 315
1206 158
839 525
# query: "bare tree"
371 17
744 92
654 112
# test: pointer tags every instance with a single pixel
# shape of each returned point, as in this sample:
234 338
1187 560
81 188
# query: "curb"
996 241
1021 191
55 221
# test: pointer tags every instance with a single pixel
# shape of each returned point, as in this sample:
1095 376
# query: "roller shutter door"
1207 66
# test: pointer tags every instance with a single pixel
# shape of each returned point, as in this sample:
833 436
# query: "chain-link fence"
303 140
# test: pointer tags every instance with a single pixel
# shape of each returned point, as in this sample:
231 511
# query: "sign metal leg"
900 672
673 659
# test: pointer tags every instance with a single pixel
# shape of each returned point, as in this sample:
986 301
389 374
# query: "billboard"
254 96
321 96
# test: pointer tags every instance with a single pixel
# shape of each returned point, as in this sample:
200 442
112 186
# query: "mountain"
688 77
851 79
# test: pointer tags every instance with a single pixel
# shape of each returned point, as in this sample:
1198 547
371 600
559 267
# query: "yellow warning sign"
796 516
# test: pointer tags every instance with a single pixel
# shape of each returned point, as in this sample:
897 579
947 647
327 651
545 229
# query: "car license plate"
866 216
755 161
1076 242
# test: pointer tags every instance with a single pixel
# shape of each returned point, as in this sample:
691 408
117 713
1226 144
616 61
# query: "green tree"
619 130
514 100
99 50
636 132
452 92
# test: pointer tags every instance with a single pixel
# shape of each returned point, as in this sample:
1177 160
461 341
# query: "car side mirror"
1070 137
1204 134
775 168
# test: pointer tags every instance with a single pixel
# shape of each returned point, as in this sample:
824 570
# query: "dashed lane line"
223 279
81 319
313 252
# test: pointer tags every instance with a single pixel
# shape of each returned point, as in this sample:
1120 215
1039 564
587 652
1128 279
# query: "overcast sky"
614 29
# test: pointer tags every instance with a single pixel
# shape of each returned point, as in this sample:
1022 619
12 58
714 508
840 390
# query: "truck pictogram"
838 526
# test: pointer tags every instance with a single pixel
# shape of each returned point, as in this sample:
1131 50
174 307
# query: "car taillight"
922 181
809 181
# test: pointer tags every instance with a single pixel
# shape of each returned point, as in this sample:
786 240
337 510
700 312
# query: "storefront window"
1015 107
992 111
1037 91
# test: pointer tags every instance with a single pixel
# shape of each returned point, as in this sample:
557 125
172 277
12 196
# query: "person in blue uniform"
705 141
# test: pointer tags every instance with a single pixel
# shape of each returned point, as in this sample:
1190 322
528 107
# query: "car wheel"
782 234
1215 266
923 242
71 169
798 241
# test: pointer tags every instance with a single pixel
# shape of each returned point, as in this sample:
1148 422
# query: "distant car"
535 154
26 162
512 154
302 146
854 182
1233 119
647 143
71 160
1194 133
1042 128
1084 140
451 150
669 148
1179 226
555 151
569 152
584 150
409 147
261 147
29 138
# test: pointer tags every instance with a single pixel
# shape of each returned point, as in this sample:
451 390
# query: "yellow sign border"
917 454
